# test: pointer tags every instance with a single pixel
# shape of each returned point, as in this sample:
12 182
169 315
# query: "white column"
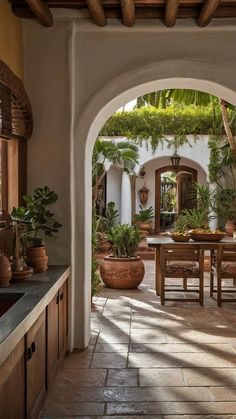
126 199
213 224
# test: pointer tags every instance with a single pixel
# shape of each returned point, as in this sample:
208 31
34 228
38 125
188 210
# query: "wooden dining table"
158 242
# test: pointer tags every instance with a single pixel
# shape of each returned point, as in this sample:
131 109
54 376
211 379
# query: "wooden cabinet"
36 366
57 332
12 384
63 320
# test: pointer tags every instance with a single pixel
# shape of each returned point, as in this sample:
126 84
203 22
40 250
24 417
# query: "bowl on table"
208 236
180 237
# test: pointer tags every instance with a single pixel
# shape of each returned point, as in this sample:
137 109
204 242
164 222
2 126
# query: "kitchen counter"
35 294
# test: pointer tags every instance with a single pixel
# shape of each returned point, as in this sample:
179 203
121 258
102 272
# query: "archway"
86 128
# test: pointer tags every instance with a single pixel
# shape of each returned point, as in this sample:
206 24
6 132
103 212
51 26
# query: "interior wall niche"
15 110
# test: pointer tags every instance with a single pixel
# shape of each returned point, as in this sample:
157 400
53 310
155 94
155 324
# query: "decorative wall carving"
15 114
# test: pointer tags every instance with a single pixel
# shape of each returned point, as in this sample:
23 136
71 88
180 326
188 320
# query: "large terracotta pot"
5 270
230 227
122 273
37 258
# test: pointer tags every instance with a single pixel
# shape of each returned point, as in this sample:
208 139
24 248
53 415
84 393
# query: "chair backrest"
180 252
226 254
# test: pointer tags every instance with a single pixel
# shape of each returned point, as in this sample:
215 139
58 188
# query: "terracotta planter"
37 258
145 227
5 271
230 227
122 273
104 245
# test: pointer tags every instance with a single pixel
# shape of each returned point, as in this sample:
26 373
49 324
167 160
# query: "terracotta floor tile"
161 377
223 393
210 376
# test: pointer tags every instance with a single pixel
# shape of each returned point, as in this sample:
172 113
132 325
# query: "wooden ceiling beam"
41 11
207 12
97 12
128 12
171 11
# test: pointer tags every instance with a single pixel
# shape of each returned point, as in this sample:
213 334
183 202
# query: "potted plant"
180 232
95 277
39 223
225 207
104 225
123 269
144 219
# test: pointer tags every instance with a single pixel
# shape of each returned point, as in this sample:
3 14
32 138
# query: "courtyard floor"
149 361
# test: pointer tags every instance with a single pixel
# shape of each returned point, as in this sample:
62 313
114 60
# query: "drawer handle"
31 350
33 347
61 296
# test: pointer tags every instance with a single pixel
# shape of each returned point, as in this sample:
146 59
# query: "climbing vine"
152 124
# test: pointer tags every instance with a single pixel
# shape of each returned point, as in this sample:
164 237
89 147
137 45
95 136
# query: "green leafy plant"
125 240
36 220
225 203
196 218
96 282
144 214
203 196
181 224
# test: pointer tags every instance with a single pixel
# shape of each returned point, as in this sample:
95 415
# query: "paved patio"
149 361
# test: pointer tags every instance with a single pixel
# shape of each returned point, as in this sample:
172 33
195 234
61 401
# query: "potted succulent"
123 269
180 232
104 225
144 220
39 223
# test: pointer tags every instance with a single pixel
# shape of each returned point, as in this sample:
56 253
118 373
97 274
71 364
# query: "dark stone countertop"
35 294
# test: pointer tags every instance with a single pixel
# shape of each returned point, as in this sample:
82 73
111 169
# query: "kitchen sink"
7 300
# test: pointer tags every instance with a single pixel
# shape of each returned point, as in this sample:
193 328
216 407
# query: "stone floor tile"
112 347
146 322
223 393
110 360
78 360
171 408
114 336
201 336
221 349
147 335
67 408
122 377
84 377
210 376
161 377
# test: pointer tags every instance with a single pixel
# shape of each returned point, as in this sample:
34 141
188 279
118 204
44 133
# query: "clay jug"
5 270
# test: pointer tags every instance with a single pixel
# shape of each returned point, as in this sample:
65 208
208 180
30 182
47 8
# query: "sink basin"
7 300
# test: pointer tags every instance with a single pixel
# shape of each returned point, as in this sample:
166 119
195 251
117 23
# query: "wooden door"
12 384
185 191
158 174
36 367
52 339
63 320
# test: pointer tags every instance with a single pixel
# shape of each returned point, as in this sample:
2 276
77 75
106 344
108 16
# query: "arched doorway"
181 188
86 128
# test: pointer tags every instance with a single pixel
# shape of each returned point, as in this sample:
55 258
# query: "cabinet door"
36 367
12 384
52 339
63 320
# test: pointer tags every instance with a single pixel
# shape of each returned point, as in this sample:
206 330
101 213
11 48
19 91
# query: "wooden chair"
181 261
223 267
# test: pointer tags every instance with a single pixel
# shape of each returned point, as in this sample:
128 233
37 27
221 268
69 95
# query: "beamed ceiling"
128 11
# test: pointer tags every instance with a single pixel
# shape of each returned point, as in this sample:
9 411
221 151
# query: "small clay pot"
230 227
5 270
37 258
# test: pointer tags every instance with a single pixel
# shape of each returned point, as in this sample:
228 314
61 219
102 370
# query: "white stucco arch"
87 126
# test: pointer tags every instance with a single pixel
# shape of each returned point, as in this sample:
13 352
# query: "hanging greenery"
152 124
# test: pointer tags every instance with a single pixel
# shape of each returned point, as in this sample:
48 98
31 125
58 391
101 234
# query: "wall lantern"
175 160
142 172
143 194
